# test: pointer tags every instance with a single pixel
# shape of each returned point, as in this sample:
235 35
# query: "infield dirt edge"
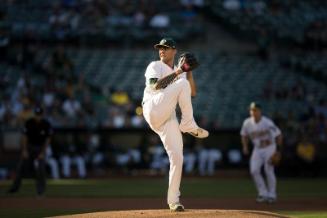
189 213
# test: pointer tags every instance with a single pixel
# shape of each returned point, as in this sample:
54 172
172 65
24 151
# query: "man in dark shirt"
35 139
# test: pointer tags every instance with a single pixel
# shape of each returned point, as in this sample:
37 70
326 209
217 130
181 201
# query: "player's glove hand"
187 62
275 159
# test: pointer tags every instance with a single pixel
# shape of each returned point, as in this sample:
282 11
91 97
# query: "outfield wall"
114 141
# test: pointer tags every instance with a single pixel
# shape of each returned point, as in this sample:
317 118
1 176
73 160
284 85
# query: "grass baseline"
190 187
144 187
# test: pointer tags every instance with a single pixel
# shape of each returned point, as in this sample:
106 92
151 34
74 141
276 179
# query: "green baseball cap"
166 42
255 105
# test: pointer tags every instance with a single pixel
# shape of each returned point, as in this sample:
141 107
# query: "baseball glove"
275 158
187 62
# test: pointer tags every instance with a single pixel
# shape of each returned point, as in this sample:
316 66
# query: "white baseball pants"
260 157
162 106
67 161
159 112
54 169
207 161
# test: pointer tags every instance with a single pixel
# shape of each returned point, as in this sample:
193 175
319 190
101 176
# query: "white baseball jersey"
262 134
156 69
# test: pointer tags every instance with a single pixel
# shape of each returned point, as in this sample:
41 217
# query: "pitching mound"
185 214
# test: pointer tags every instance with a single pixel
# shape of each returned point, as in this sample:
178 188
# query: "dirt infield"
185 214
115 204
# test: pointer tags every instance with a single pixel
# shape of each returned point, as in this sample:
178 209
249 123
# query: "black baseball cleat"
40 193
12 191
271 200
261 199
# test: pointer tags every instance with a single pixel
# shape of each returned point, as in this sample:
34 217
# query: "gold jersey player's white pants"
260 157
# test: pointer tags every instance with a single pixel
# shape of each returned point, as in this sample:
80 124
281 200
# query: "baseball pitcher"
167 86
264 134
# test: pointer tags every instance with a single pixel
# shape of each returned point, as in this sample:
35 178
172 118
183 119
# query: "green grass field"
138 188
321 214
